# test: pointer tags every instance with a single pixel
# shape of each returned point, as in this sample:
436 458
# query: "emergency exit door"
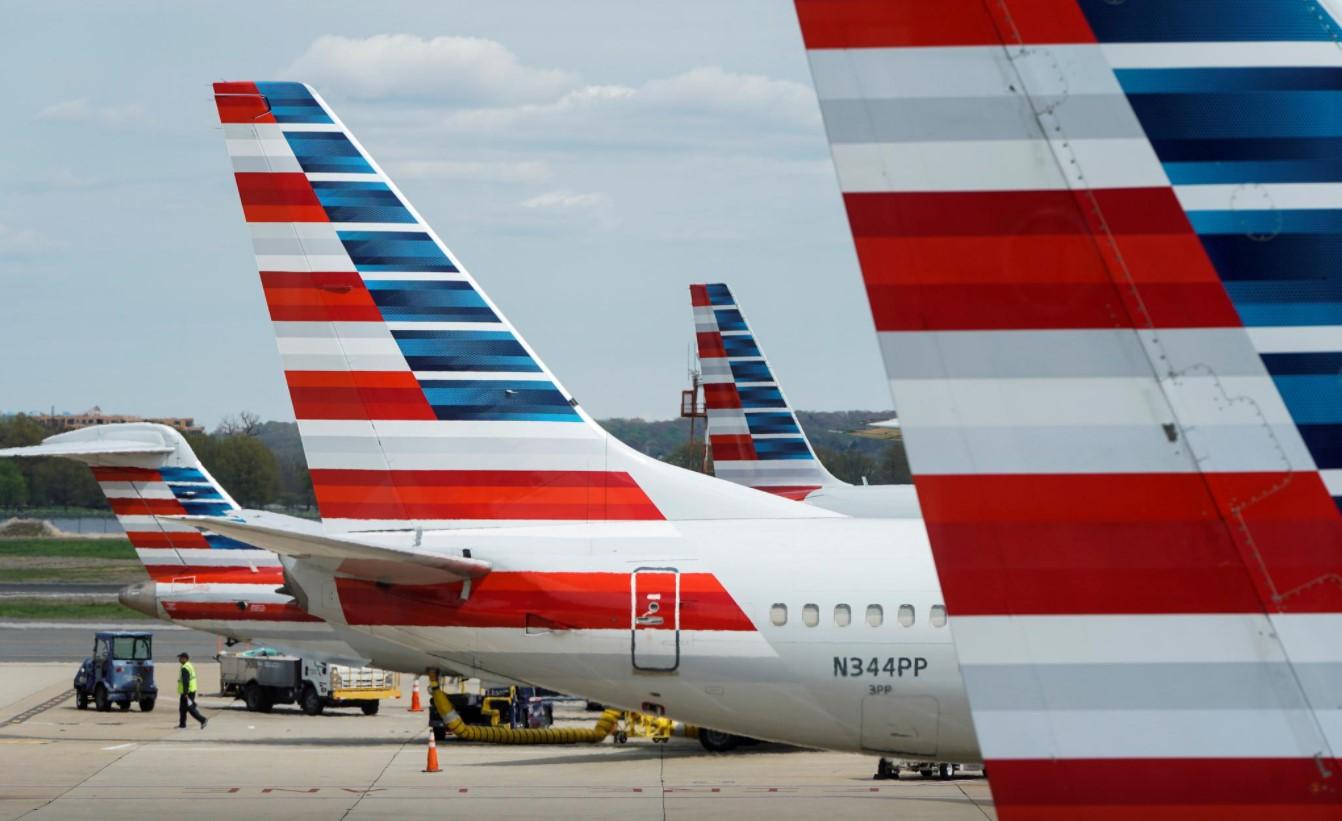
655 598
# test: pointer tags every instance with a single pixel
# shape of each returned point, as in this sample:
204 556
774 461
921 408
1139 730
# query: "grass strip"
66 610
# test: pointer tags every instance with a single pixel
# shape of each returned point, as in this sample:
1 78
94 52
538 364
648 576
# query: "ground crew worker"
186 694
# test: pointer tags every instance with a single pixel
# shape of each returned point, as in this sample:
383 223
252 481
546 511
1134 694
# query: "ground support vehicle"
263 677
120 672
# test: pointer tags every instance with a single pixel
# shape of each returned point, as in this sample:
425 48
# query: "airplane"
1097 240
472 509
753 432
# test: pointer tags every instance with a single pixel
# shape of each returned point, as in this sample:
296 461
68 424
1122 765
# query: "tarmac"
57 762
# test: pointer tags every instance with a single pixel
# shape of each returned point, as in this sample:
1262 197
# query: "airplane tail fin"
1099 244
418 402
148 471
752 430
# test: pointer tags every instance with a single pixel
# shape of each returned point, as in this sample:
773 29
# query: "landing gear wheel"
81 700
146 705
716 741
621 737
370 708
101 702
312 703
886 770
945 771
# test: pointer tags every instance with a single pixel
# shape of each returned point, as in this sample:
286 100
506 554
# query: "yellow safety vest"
191 676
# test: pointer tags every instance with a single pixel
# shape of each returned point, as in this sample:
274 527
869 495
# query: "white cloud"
459 69
566 199
523 171
83 111
16 243
723 92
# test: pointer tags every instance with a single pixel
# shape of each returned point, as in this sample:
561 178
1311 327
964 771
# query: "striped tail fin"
752 430
419 404
1099 240
147 472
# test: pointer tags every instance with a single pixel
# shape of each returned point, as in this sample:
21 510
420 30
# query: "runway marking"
120 746
41 708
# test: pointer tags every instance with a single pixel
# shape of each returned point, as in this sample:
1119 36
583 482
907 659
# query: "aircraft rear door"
655 616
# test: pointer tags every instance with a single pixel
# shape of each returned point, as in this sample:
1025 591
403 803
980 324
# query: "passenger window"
906 615
875 615
810 615
778 615
938 615
843 615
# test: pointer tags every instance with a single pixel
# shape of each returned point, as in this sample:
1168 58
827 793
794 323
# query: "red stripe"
122 474
481 494
278 197
721 395
1168 789
733 448
216 574
891 23
575 601
358 395
229 611
318 297
710 345
158 539
699 296
146 507
241 103
1133 544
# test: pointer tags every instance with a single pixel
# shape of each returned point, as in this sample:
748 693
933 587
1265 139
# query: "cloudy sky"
585 160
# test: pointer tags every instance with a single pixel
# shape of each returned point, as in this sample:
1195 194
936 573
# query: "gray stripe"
1228 686
1063 354
265 164
311 246
976 118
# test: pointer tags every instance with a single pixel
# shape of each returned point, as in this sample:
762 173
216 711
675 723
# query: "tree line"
261 464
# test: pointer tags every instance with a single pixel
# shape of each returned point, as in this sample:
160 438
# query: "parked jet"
1099 243
752 430
474 510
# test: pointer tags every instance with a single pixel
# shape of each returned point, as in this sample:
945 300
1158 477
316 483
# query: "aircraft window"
778 614
810 615
938 615
843 615
875 615
906 615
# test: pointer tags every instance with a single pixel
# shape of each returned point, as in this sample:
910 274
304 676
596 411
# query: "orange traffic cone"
415 706
432 765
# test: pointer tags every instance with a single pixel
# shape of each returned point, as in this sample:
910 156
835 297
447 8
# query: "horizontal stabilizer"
88 448
381 563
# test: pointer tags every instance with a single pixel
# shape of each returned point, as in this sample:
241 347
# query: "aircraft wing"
357 559
1099 251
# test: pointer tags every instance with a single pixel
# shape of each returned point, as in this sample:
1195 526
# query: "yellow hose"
507 735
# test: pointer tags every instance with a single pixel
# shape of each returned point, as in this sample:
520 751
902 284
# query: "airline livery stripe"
828 24
146 507
357 395
229 611
318 297
160 540
265 577
270 197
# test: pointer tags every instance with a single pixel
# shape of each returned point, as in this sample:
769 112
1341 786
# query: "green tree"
893 466
852 466
689 455
246 469
13 487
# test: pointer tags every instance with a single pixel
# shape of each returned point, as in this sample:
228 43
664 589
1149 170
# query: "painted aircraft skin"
474 511
1098 243
753 432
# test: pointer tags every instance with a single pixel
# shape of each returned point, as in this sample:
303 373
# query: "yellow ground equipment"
608 722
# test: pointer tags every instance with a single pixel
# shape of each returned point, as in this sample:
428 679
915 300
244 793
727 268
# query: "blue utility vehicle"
120 672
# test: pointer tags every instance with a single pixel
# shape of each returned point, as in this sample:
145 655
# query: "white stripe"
1298 339
378 226
330 176
299 128
207 557
136 490
353 346
484 376
304 264
1256 197
995 165
1222 55
1332 479
433 429
152 524
421 276
210 592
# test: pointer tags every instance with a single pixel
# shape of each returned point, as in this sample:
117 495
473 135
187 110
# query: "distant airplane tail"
148 471
418 402
1100 242
753 433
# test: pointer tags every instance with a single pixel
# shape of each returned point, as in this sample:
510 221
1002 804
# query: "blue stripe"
520 401
757 371
771 423
1212 173
1312 399
1195 80
205 508
464 351
1287 257
1267 223
414 300
1304 364
326 152
410 251
182 475
360 202
761 397
740 345
292 103
197 493
729 319
1324 443
719 294
1175 21
771 449
218 542
1235 115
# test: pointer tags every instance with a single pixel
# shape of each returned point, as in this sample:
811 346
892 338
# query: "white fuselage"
684 617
